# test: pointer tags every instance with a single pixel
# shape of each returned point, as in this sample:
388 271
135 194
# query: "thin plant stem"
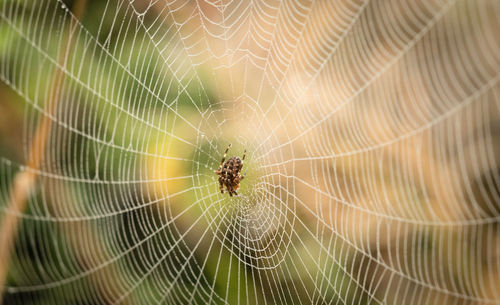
24 181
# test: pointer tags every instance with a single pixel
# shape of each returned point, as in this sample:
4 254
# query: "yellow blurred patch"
169 161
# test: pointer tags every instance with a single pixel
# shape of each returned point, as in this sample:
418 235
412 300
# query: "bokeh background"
372 135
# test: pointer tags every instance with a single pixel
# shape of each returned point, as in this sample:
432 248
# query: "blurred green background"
134 117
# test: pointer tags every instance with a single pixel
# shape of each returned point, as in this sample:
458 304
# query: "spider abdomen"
229 173
232 166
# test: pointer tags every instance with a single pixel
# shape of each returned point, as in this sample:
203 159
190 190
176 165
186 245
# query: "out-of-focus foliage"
126 208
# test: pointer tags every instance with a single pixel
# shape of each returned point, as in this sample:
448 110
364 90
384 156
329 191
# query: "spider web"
371 130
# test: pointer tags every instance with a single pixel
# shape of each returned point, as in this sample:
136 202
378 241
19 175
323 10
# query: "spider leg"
225 153
223 159
243 161
234 192
243 176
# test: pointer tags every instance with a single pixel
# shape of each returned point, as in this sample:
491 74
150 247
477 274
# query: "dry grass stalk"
24 181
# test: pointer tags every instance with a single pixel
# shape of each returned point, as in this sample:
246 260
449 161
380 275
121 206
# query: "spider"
229 173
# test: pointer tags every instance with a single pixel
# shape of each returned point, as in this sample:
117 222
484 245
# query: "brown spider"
229 173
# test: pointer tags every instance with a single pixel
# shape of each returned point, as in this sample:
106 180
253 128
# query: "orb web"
371 130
